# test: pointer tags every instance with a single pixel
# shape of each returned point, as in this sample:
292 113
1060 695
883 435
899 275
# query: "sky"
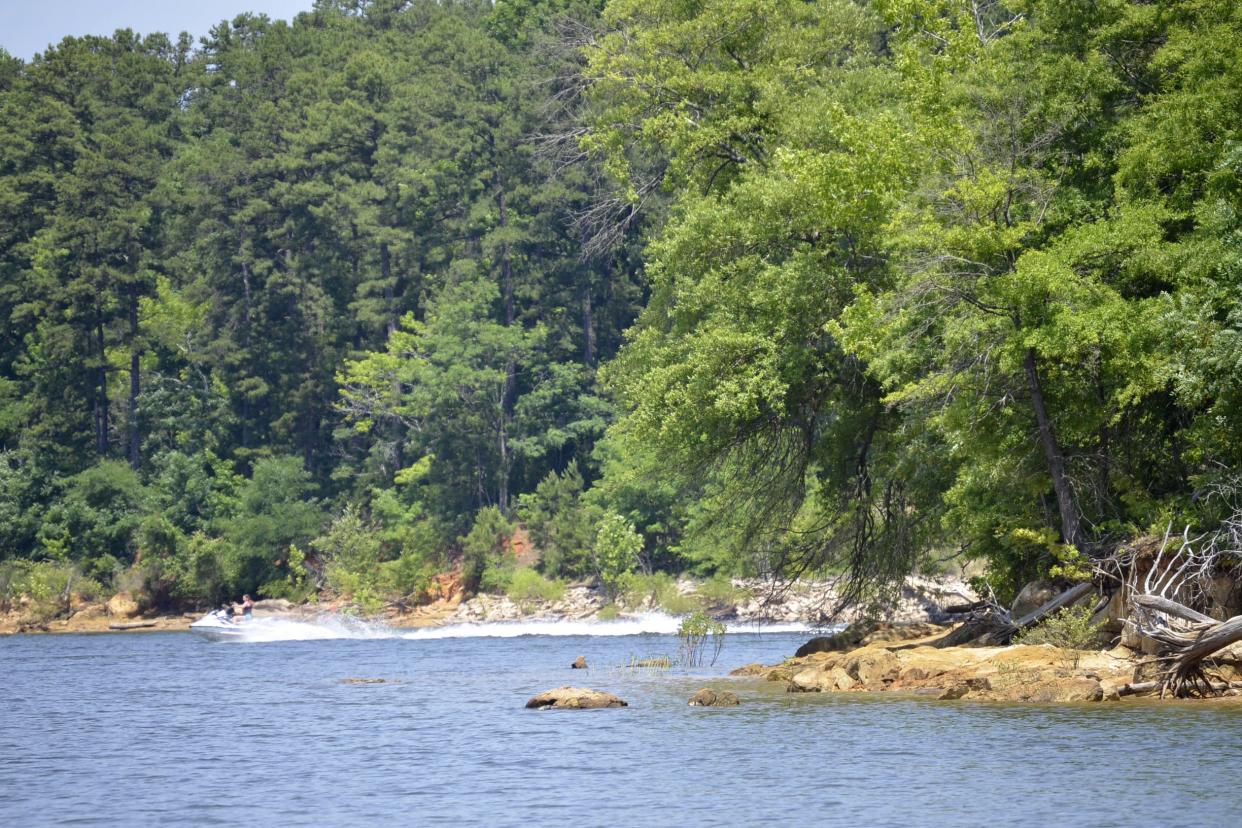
28 26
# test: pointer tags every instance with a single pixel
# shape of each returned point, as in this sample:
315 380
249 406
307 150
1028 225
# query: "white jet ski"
220 626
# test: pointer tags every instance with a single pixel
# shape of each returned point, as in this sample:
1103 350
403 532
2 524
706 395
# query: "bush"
45 587
719 591
695 632
661 589
1069 628
483 552
617 545
560 523
527 587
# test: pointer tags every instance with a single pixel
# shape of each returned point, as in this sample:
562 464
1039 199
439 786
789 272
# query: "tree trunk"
101 401
509 393
135 442
390 304
245 269
588 329
1070 528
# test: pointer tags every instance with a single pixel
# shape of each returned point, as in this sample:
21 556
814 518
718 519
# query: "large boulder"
707 697
122 605
847 639
574 698
1033 596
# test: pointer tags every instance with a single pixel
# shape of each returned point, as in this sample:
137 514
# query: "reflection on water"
165 728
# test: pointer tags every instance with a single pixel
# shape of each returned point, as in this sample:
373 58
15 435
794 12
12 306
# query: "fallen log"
1141 687
131 625
1065 599
1155 602
995 625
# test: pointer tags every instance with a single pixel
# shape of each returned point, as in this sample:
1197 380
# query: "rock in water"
579 663
707 697
574 698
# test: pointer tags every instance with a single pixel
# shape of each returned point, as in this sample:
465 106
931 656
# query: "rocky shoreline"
890 661
921 599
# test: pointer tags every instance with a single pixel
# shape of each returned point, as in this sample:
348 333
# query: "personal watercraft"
220 626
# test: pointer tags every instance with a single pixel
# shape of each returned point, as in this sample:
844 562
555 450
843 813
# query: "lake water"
167 729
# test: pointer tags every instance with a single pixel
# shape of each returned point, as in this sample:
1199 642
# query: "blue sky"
28 26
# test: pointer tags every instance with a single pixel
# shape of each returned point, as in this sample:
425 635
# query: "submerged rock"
707 697
755 669
574 698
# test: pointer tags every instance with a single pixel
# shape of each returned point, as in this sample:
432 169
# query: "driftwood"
131 625
1155 602
1183 650
1139 688
994 624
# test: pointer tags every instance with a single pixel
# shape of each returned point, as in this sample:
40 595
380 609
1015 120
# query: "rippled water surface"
162 729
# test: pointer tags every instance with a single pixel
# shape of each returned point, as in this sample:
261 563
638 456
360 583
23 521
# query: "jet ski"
220 626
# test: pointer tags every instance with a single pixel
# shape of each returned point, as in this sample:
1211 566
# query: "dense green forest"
728 286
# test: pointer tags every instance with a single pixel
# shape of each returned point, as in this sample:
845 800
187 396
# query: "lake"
168 729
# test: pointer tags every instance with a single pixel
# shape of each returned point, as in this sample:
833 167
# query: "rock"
847 639
957 691
579 663
872 665
1074 689
274 605
1033 596
122 605
356 680
755 669
708 697
574 698
894 633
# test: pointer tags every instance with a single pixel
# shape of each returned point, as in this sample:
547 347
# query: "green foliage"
719 591
913 275
561 523
1069 628
698 633
658 588
616 550
42 589
274 511
485 562
528 587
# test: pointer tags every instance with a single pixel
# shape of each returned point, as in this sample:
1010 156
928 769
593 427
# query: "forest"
731 287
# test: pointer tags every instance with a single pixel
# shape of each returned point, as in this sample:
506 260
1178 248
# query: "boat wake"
321 628
647 624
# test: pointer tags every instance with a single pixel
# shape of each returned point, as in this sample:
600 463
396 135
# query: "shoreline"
1021 673
922 599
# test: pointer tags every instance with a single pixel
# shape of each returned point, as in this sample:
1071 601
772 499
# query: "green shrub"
719 591
1069 628
697 632
617 545
561 523
483 551
661 589
608 612
44 587
527 587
